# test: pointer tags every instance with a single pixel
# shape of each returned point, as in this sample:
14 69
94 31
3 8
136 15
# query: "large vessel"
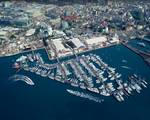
85 95
23 78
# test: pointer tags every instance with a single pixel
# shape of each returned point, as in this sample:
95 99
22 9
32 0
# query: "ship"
141 44
23 78
118 96
85 95
16 65
126 67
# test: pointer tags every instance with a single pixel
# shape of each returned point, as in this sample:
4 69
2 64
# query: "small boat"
141 44
16 65
124 61
126 67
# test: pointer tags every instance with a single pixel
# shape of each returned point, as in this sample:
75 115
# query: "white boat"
141 44
74 84
118 97
23 78
104 93
126 67
82 86
104 79
101 73
144 82
143 85
121 97
112 78
118 75
85 95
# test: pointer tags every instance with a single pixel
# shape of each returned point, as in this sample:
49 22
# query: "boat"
44 73
125 67
138 88
30 58
82 86
127 88
118 75
104 92
74 83
121 97
16 65
124 61
144 82
98 81
143 85
38 72
117 97
141 44
65 69
112 78
23 78
101 72
104 79
139 81
84 95
21 59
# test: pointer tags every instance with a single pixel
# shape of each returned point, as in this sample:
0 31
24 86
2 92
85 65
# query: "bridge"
144 55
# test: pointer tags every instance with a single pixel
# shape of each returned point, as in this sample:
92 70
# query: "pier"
144 55
146 39
85 74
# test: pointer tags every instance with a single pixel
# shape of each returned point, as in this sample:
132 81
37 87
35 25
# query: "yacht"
117 97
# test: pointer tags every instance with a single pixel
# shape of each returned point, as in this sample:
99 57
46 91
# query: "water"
49 100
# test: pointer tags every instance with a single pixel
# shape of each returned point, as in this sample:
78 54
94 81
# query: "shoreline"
78 53
10 55
43 48
89 50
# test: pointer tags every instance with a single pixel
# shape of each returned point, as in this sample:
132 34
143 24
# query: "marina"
74 59
88 72
52 94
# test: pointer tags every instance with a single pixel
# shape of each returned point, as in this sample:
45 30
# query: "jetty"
84 73
146 39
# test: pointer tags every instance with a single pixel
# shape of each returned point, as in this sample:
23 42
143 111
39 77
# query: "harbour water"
49 100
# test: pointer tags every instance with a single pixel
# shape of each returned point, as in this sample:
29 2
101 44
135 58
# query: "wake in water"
23 78
124 61
84 95
126 67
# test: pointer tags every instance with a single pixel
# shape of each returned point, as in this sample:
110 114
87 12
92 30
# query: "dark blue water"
48 99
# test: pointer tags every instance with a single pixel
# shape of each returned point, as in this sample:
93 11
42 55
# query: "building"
103 2
96 41
5 21
21 21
